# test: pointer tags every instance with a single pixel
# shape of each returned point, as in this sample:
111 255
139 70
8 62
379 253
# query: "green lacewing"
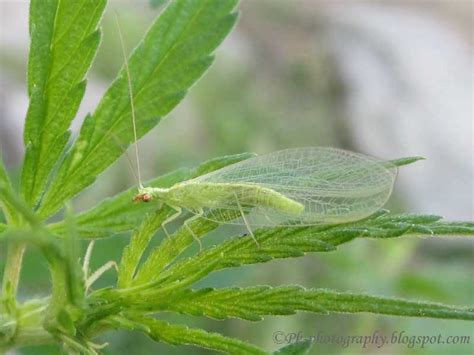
293 187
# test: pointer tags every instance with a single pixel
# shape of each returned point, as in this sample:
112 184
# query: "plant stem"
11 276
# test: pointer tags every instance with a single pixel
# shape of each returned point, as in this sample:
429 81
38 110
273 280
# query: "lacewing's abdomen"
194 195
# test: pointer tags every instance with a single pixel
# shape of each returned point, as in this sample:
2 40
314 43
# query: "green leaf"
253 303
161 256
245 303
182 335
299 348
172 56
6 190
64 40
119 214
293 242
138 243
3 227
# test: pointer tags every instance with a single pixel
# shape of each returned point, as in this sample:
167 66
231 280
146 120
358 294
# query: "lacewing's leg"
189 220
171 218
245 220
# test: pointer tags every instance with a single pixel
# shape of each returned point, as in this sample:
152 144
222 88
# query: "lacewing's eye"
146 198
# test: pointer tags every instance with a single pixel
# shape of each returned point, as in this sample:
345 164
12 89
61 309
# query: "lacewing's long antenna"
129 160
132 106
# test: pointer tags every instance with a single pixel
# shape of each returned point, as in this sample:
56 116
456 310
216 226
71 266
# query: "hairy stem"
11 276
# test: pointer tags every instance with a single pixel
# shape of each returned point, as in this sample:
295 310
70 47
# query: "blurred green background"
296 73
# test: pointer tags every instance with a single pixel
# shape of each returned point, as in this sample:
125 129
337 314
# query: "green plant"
173 55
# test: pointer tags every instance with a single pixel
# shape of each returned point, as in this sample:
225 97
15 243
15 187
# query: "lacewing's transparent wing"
333 185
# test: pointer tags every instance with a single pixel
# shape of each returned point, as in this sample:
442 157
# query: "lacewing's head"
144 197
147 194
